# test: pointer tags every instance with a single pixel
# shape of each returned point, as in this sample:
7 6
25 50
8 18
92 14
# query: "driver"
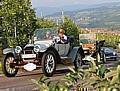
48 35
62 38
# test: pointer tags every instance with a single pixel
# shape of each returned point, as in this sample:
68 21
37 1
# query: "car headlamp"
18 49
114 53
37 48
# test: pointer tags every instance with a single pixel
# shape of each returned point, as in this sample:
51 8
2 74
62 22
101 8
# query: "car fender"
74 51
52 48
8 50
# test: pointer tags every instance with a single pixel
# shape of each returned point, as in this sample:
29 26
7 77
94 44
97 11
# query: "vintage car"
88 42
44 53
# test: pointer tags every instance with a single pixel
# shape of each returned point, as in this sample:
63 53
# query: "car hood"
30 46
44 42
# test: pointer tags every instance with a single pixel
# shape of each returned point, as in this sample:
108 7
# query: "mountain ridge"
103 16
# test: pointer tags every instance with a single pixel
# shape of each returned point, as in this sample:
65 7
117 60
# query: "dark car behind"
110 53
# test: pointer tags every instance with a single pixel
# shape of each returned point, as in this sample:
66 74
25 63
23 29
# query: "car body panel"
62 49
28 56
46 42
73 53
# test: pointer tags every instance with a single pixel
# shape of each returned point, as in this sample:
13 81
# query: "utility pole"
15 30
41 14
57 23
63 17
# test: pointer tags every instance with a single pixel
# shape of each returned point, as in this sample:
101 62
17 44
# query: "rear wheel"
49 63
78 61
8 69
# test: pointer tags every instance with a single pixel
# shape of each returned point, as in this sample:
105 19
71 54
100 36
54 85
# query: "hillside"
104 16
51 9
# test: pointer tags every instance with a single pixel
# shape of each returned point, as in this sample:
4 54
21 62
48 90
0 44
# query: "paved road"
22 82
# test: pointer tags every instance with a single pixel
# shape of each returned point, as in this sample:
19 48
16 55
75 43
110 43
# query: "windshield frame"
38 36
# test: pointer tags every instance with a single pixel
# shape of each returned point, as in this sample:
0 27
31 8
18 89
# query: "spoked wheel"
49 63
8 69
78 61
103 58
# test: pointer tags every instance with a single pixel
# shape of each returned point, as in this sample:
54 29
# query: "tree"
18 22
71 29
45 23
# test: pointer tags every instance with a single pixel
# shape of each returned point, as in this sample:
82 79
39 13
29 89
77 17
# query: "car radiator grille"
28 51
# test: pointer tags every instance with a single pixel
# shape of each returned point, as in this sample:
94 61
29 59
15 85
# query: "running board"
66 60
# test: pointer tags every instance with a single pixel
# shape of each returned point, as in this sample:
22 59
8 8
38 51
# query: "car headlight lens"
37 48
114 53
18 49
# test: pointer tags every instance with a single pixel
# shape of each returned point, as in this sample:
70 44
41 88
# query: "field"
111 39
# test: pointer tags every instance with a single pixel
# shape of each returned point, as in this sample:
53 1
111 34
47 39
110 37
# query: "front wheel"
8 69
49 63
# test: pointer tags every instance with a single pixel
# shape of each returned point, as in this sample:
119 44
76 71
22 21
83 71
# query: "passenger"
62 38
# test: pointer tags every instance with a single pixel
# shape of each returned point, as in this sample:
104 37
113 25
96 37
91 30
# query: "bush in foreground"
97 78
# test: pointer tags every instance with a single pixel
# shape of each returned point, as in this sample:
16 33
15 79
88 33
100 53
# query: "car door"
67 48
61 48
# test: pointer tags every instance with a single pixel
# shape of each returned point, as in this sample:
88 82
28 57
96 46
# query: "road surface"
22 82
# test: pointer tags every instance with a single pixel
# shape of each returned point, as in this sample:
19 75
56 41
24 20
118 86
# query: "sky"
54 3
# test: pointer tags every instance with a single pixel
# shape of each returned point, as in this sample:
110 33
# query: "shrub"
95 78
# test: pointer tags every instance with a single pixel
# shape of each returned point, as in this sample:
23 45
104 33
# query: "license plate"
29 56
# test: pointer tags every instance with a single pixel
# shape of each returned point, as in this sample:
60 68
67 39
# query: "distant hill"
51 10
100 16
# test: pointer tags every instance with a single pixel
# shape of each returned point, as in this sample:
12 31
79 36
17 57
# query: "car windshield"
44 34
87 41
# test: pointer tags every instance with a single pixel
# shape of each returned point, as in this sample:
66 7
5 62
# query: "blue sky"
54 3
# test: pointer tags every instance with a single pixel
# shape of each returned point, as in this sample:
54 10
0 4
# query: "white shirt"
60 40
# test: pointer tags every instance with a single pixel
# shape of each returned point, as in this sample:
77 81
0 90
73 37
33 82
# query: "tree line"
18 22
